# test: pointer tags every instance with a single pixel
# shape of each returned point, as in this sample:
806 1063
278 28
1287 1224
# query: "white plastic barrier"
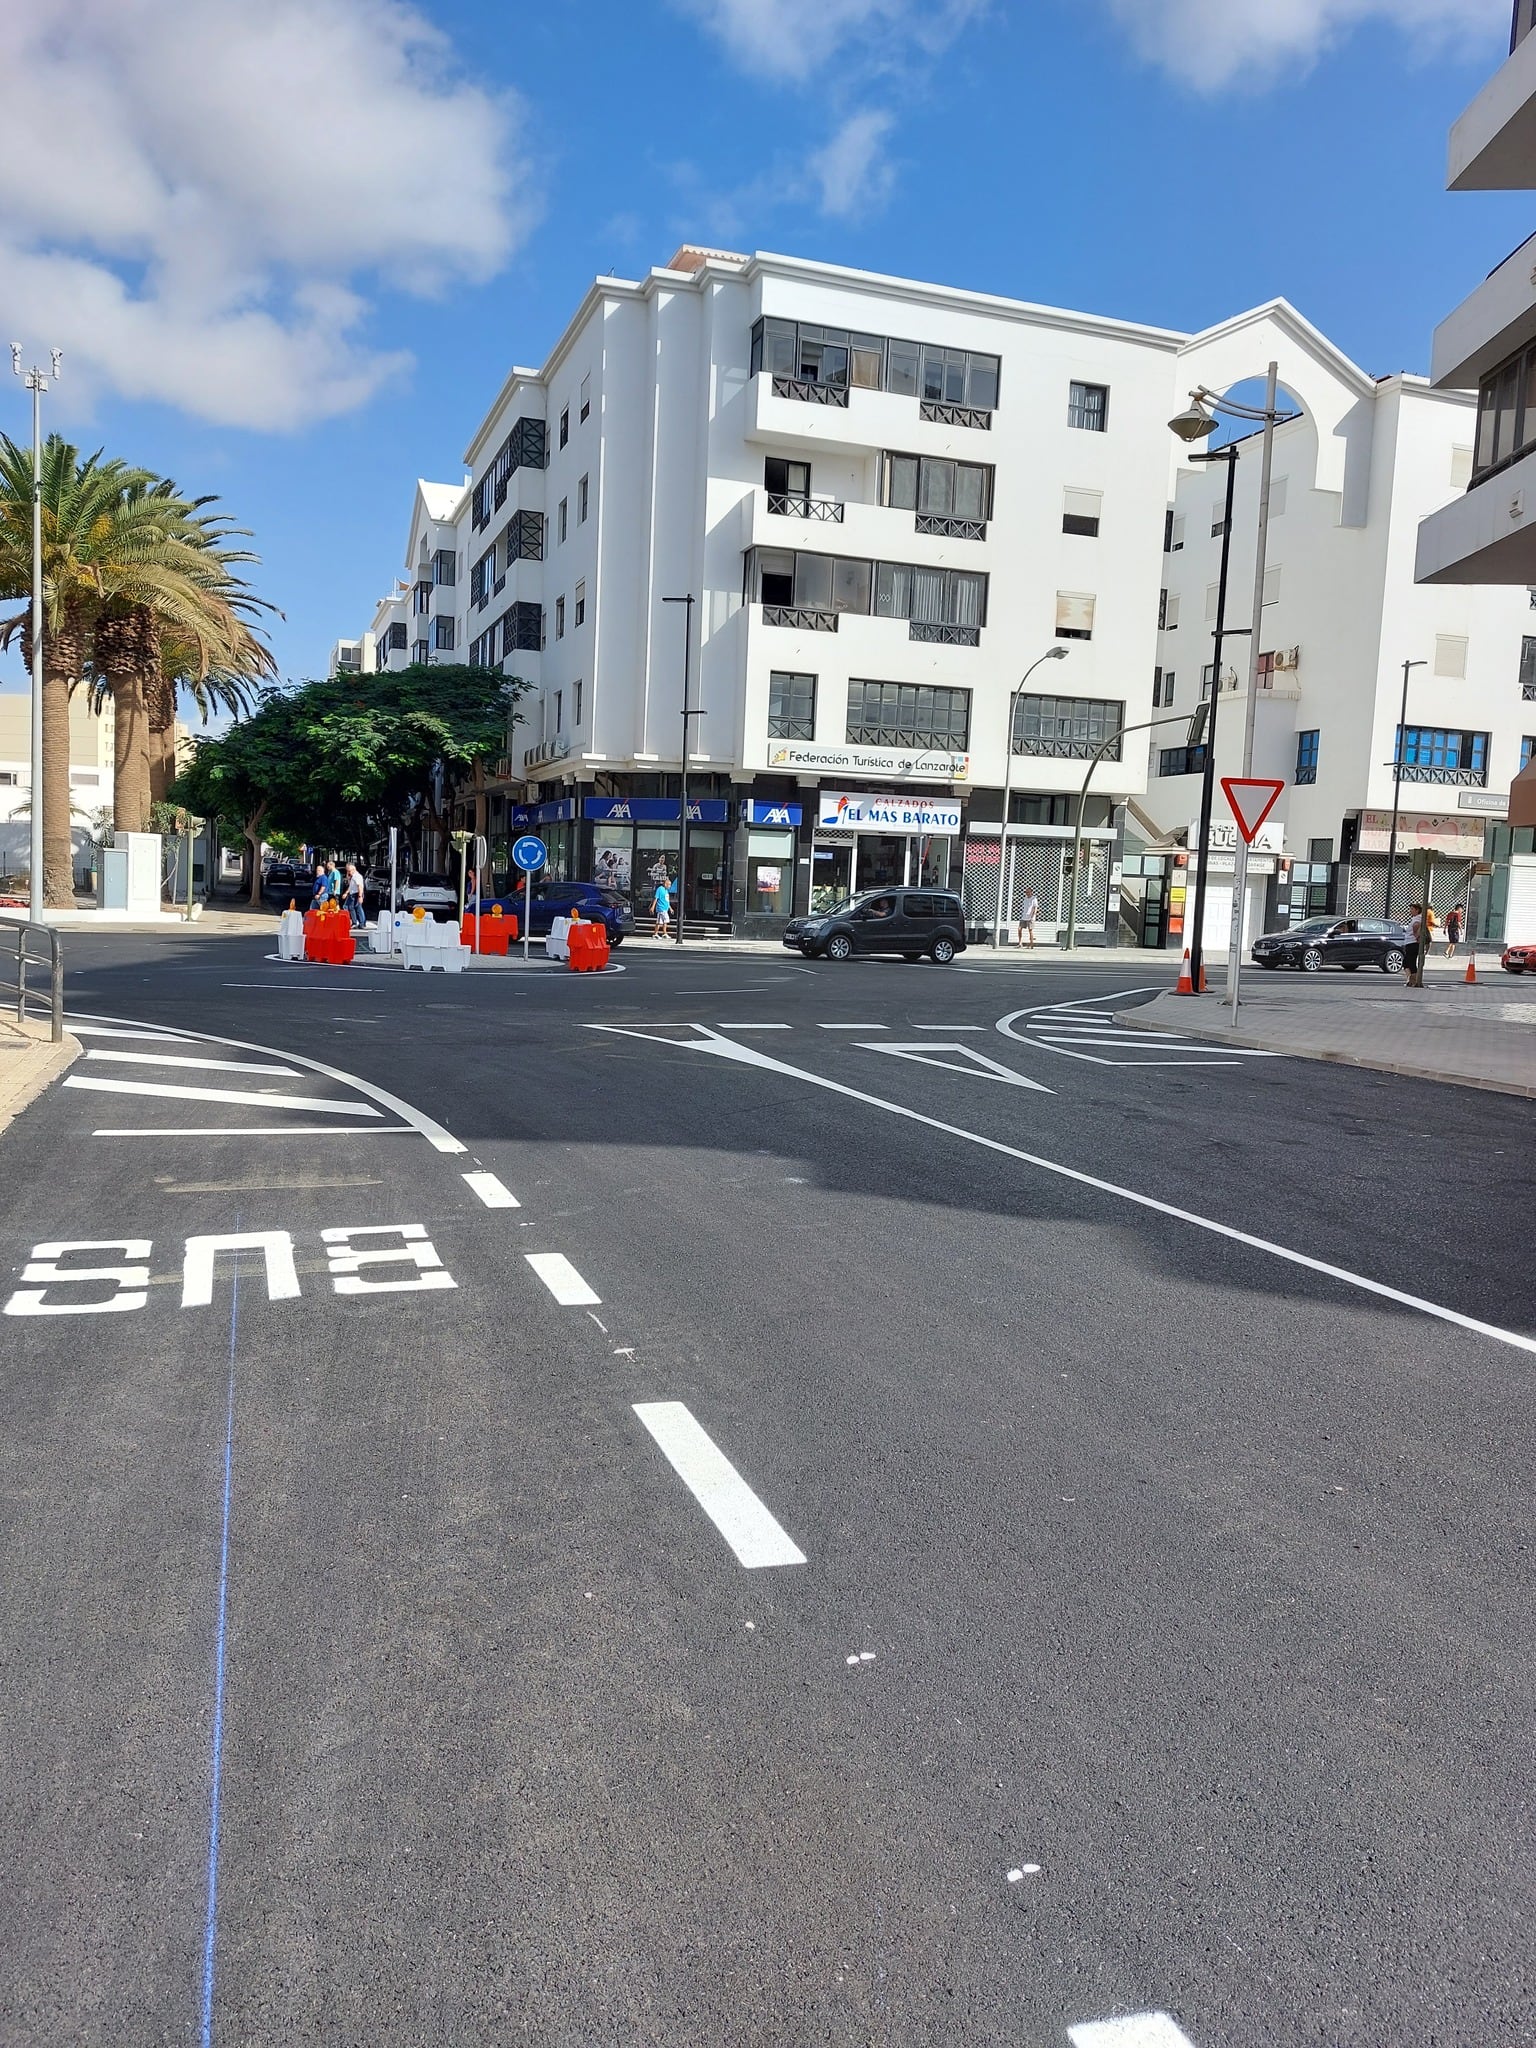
428 944
290 935
557 945
382 935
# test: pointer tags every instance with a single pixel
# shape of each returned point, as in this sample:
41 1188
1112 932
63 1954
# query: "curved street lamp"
1057 653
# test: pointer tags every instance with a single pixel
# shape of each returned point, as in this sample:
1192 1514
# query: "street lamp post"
1208 769
1193 424
37 383
682 812
1397 781
1196 728
1057 653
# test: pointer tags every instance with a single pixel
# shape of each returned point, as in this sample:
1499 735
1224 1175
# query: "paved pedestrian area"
29 1060
1482 1036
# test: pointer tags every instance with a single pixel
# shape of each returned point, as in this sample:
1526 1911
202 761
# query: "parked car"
435 894
911 922
376 890
1347 942
561 899
1519 959
285 878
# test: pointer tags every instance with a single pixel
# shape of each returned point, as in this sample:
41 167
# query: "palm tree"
93 524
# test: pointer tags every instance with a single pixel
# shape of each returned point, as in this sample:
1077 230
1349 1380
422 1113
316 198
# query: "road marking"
1066 1030
211 1913
562 1279
748 1055
275 1247
1136 2030
260 1131
718 1487
861 1027
753 1027
113 1031
170 1059
946 1027
42 1271
439 1139
967 1061
249 1098
494 1193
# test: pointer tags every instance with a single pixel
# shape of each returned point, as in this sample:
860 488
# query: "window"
1162 688
835 358
1080 513
791 706
1266 670
1212 601
782 479
1272 584
1181 760
1088 407
481 576
581 604
586 403
1433 754
562 521
1207 681
397 637
10 778
1528 668
931 598
559 711
1277 495
419 652
908 715
1506 415
442 635
1527 748
421 597
1219 520
937 489
1168 612
1451 655
444 566
1461 468
559 618
1174 534
941 604
582 499
565 424
524 448
1069 728
1074 615
1306 756
576 704
524 538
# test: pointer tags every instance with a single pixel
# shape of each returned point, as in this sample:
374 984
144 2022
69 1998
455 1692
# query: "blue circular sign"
529 853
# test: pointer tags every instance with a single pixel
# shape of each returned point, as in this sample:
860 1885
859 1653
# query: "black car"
591 900
1347 942
911 922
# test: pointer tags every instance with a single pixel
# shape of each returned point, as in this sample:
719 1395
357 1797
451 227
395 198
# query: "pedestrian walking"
1029 910
333 881
352 897
1455 926
1415 940
320 895
662 905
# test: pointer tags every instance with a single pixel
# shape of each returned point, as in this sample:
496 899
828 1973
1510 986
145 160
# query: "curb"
1132 1021
41 1063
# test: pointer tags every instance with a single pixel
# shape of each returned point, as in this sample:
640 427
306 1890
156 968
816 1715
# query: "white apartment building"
1355 472
891 502
90 777
1488 535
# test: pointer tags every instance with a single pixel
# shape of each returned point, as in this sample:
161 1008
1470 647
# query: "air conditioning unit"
1288 657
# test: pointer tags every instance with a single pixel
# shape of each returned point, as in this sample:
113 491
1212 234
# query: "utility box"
130 874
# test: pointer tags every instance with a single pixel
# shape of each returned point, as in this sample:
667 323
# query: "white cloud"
195 195
852 172
792 39
1211 43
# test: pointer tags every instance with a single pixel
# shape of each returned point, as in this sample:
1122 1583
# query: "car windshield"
1316 925
426 881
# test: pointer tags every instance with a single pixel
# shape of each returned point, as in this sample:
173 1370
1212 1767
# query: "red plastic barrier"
587 946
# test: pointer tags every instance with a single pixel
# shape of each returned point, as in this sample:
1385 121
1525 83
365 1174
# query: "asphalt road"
921 1558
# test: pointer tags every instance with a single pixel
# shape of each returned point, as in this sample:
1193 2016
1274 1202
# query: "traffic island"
1479 1036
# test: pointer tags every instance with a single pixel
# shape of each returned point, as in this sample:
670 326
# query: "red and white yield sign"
1252 799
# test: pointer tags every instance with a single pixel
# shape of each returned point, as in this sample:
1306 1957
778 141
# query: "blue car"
561 899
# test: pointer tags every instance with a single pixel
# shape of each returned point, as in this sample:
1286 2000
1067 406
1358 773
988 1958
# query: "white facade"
90 775
421 619
352 657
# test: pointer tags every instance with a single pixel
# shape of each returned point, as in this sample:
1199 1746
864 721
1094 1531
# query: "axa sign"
843 812
755 812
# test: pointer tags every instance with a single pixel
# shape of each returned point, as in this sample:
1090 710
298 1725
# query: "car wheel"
1311 960
942 951
1392 962
839 947
615 939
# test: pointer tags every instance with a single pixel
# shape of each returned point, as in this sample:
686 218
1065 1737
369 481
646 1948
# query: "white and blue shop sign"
840 811
654 810
756 812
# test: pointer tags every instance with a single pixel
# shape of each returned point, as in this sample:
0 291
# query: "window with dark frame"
565 425
908 715
1528 667
1306 755
1181 761
582 492
562 521
934 485
581 604
398 637
1088 407
559 618
442 635
576 704
419 652
586 408
937 602
1437 754
1080 513
1067 728
1527 748
791 705
840 359
445 566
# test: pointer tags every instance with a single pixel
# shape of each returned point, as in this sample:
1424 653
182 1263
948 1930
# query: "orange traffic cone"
1186 987
1470 977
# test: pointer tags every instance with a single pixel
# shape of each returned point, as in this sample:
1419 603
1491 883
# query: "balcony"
951 529
809 392
1489 326
1493 145
1489 534
802 618
946 415
789 505
1074 749
944 636
1448 778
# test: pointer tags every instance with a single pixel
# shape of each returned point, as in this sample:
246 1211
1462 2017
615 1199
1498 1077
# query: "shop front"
870 840
634 846
767 851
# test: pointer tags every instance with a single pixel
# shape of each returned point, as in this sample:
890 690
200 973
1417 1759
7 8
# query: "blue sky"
314 234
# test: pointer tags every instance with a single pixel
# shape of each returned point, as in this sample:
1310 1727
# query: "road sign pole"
1239 903
527 909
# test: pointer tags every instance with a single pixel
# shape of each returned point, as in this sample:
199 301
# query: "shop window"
770 873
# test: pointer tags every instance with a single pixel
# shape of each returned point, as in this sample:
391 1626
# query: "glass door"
882 861
831 877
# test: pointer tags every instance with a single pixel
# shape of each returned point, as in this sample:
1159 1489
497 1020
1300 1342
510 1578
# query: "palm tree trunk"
119 657
161 695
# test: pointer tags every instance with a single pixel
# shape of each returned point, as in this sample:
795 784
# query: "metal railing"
1077 747
947 415
810 393
807 618
951 528
35 945
1453 778
792 505
944 636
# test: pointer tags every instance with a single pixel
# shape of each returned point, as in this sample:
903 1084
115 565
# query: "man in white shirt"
1029 910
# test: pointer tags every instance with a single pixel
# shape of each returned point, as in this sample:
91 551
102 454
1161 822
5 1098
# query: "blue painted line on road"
211 1921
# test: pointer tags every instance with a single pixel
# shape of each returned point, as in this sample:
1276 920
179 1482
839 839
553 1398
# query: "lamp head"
1195 423
16 357
1057 653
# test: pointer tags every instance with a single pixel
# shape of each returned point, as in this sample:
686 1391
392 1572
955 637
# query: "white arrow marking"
968 1061
1136 2030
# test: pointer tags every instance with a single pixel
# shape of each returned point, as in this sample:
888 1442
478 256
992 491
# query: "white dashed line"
1136 2030
562 1279
172 1059
855 1027
753 1027
494 1193
259 1130
246 1098
718 1487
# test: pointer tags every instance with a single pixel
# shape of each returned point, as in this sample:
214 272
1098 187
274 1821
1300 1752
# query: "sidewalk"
1478 1037
29 1060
